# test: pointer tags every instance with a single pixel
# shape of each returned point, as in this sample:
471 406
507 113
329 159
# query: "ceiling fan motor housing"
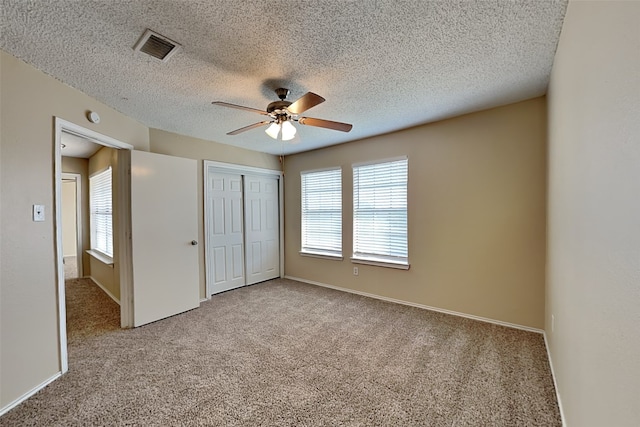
278 109
278 106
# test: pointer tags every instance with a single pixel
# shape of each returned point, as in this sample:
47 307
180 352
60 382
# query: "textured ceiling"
382 65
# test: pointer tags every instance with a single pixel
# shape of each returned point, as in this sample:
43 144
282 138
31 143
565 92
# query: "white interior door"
164 224
262 234
225 241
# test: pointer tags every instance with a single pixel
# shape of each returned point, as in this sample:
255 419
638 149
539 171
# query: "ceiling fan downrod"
282 93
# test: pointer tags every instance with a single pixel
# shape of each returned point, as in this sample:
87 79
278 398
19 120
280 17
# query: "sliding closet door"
225 242
262 234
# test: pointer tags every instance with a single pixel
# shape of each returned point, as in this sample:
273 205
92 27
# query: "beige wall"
107 275
184 146
81 167
476 214
29 100
593 276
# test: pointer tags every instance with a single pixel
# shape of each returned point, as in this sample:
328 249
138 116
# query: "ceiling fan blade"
310 121
239 107
246 128
308 100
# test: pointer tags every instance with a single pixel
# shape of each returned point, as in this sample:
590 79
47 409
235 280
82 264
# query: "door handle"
194 242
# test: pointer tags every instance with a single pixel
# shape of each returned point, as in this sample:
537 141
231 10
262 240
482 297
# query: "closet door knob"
194 242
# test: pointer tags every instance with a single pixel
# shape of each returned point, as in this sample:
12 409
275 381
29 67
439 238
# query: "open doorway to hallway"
81 154
89 273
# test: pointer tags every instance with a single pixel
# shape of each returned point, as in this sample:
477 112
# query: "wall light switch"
38 213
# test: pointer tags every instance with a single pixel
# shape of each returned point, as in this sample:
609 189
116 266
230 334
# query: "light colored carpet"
283 353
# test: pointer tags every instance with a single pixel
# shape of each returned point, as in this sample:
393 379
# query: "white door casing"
261 228
225 241
164 227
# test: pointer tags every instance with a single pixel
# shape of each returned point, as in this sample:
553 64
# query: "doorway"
77 143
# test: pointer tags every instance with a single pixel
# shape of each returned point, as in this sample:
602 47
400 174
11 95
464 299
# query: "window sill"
322 255
105 259
381 263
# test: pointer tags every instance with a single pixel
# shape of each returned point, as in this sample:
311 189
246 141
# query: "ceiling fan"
281 113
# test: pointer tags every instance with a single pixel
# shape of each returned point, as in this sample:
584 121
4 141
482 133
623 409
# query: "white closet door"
262 232
225 260
164 226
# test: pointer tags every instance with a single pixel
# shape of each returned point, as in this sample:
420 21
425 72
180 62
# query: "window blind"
380 212
321 202
101 212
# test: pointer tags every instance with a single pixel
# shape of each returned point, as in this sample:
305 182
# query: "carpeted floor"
283 353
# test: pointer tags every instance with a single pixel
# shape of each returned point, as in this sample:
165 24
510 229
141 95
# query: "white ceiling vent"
156 45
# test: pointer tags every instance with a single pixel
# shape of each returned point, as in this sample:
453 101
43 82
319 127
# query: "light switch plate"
38 213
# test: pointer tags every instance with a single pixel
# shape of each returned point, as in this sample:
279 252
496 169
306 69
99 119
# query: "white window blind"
101 212
322 212
380 212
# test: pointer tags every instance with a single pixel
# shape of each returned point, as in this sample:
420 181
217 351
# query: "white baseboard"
555 383
28 394
425 307
104 288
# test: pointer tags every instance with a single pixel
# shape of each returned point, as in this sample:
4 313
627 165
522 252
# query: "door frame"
60 126
222 167
77 178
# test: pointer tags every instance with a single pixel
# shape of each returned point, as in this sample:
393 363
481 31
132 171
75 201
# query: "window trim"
401 263
105 259
380 262
321 255
317 252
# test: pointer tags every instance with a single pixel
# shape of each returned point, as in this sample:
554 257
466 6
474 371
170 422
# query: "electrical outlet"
553 323
355 271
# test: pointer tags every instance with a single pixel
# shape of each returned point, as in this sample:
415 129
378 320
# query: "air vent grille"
156 45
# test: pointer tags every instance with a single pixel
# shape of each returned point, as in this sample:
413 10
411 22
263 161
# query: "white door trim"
78 180
241 169
62 125
222 167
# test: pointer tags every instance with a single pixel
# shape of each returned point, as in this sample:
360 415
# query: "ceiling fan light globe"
273 130
288 131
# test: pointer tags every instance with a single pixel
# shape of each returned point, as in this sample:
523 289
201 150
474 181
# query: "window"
322 212
101 212
380 213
